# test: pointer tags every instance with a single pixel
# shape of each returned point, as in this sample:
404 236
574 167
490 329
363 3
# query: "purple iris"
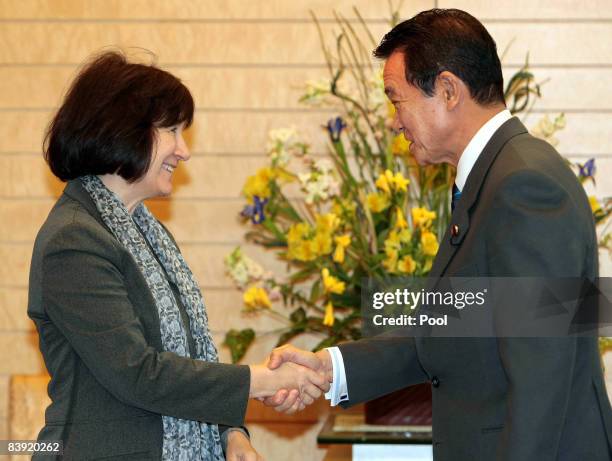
255 211
588 169
335 127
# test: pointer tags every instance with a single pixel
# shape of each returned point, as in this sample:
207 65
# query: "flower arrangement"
364 210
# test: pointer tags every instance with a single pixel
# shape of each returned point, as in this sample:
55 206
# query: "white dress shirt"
338 391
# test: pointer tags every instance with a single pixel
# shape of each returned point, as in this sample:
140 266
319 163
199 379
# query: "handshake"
291 378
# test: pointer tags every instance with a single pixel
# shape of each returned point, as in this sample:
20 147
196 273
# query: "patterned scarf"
184 440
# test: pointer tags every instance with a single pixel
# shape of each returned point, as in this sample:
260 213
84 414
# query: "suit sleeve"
533 232
86 296
380 365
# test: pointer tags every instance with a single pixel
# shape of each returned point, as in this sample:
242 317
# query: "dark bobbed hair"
107 122
451 40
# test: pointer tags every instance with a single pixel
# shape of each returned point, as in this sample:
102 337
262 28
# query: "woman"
121 320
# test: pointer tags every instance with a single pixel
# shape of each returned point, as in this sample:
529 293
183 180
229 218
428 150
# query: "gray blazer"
522 213
99 335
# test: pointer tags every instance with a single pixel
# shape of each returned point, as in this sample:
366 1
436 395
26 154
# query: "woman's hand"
308 383
239 448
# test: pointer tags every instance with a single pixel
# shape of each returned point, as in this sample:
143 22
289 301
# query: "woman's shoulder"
70 226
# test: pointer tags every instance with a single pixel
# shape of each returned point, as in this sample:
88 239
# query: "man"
521 213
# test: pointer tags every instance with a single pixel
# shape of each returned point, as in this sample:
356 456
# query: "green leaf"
327 342
315 291
288 336
298 316
238 342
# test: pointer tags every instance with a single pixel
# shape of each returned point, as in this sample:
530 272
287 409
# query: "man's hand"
289 401
305 382
239 448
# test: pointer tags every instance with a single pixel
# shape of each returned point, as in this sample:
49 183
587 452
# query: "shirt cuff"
338 391
225 433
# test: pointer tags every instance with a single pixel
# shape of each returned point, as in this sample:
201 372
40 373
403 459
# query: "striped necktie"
456 197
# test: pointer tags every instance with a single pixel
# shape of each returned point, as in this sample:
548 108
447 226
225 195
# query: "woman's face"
169 150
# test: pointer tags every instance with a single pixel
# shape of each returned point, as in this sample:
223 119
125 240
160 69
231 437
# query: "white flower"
324 165
316 92
242 269
546 129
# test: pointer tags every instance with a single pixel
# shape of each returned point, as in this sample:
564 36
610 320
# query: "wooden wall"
243 61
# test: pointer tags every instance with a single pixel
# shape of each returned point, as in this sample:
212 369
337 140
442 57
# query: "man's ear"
450 88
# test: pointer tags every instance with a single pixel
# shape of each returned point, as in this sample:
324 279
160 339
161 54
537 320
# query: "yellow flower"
327 223
331 283
328 320
258 184
342 242
344 208
384 181
256 297
400 221
390 263
422 217
595 206
400 183
299 243
429 242
322 244
406 265
378 202
400 145
405 235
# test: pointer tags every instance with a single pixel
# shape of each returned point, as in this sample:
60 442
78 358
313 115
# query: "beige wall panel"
281 88
22 219
22 131
605 270
68 42
528 9
4 406
206 261
553 43
193 10
297 442
24 357
584 134
27 176
224 307
188 220
13 310
572 89
225 311
16 264
41 42
218 87
219 176
203 177
33 87
246 132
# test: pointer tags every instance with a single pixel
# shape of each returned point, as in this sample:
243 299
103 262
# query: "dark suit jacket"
99 335
522 213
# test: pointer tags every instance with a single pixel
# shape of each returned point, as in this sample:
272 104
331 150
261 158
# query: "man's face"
425 121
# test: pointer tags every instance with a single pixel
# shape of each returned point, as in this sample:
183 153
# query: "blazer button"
435 382
455 230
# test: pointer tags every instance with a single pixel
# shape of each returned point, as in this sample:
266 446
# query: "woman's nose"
182 151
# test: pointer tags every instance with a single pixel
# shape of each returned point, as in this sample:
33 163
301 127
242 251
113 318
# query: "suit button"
455 230
435 382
